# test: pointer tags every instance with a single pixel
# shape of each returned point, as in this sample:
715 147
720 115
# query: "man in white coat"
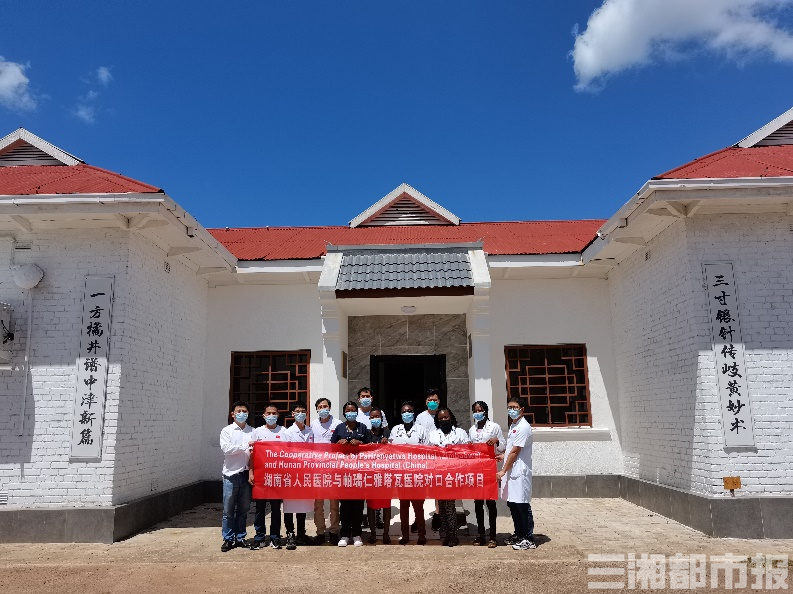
515 476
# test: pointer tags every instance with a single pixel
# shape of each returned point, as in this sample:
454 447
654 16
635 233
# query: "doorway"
395 378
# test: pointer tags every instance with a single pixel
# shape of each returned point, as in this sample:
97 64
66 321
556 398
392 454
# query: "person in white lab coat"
515 475
426 419
301 433
485 431
447 433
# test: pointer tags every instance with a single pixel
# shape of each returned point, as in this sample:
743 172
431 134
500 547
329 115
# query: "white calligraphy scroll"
89 400
728 349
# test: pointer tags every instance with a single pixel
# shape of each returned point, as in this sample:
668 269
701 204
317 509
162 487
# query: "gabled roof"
405 205
500 238
77 179
22 147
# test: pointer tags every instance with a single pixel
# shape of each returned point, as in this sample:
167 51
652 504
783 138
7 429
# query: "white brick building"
606 326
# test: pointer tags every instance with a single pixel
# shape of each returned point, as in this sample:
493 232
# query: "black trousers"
289 523
351 516
523 519
479 510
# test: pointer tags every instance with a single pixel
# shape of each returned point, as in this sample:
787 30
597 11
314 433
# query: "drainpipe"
27 276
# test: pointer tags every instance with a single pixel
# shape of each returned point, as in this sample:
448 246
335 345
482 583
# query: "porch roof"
410 269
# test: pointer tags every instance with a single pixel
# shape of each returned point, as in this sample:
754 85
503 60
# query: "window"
554 382
280 377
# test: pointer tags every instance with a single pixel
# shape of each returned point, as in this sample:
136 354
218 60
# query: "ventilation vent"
23 246
405 212
26 154
782 136
646 255
3 497
167 267
790 227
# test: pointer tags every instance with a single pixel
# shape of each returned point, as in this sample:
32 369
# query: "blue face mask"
351 415
271 419
433 405
376 423
407 417
323 413
365 402
240 417
513 413
300 417
479 416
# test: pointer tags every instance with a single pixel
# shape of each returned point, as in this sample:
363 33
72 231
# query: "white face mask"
300 417
271 419
323 413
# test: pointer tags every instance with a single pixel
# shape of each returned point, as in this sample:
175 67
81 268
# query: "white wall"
161 349
666 368
563 311
35 468
761 250
253 318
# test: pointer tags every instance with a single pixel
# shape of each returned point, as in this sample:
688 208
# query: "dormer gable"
23 148
777 132
404 206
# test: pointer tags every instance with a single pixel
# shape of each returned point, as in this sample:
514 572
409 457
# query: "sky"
306 113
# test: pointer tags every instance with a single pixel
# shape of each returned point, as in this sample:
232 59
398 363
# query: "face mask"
376 423
445 426
351 416
513 413
271 419
240 417
323 413
479 416
300 417
407 417
433 405
366 402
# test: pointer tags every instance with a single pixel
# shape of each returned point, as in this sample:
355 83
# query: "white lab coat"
516 484
454 437
486 433
293 433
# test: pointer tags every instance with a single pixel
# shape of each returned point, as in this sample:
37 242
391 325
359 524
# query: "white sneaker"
343 541
356 541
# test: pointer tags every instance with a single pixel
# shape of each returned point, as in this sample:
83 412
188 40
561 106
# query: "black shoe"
319 539
480 540
241 544
290 541
510 540
256 545
445 542
436 522
275 542
403 541
453 542
372 539
333 538
226 546
421 541
414 527
303 541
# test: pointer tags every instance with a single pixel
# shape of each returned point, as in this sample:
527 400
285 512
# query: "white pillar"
334 387
481 369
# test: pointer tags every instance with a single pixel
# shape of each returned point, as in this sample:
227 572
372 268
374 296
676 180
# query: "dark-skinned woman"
447 433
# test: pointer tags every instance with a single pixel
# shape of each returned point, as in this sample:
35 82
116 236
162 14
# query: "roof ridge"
466 224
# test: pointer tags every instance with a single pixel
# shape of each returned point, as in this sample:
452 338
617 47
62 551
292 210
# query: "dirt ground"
183 555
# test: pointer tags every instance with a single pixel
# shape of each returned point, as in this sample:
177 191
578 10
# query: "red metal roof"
735 162
75 179
504 238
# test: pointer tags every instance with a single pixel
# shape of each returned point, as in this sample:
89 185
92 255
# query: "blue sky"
305 113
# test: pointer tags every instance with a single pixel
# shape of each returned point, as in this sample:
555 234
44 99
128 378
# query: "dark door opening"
396 378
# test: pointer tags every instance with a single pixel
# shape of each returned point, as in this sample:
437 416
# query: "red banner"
373 471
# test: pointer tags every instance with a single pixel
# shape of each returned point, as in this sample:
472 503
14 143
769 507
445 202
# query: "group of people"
364 423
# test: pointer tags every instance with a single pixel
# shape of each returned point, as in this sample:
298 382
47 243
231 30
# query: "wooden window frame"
284 404
549 405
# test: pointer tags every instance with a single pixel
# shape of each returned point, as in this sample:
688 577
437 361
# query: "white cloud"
623 34
85 112
103 75
14 87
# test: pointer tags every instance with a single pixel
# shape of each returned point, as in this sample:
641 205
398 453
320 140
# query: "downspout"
27 276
